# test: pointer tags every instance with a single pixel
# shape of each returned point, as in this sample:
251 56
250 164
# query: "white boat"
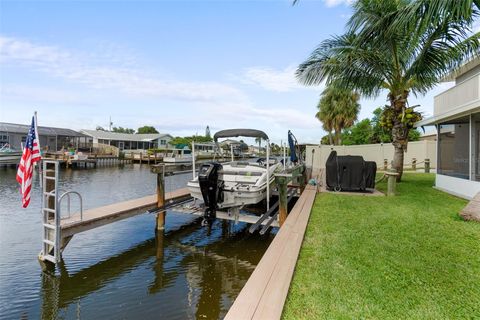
9 156
234 184
243 183
178 156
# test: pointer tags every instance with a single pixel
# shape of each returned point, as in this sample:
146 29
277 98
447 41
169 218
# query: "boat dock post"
295 176
161 198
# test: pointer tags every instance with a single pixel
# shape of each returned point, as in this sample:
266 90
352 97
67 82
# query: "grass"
403 257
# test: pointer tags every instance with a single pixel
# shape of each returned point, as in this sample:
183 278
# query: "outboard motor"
211 188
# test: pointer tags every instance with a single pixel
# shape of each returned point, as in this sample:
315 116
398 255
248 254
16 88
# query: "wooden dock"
265 292
60 228
100 216
92 160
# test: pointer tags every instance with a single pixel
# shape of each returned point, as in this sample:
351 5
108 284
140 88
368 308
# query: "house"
225 144
456 116
126 141
255 149
51 138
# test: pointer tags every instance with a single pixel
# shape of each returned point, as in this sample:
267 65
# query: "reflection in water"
214 273
122 270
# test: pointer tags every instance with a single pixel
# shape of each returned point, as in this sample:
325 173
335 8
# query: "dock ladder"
52 242
50 213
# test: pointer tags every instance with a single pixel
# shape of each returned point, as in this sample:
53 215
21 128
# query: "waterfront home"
205 150
51 138
456 115
126 141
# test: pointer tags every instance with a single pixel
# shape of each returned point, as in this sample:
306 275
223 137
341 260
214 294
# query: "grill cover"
349 173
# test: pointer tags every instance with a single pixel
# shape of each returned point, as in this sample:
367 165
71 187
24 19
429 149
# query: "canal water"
123 270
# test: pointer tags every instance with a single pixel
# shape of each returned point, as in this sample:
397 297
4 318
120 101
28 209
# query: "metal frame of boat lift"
285 194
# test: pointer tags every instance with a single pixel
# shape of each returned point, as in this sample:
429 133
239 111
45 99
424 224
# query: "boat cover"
240 133
349 173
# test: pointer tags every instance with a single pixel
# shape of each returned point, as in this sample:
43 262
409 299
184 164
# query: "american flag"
31 154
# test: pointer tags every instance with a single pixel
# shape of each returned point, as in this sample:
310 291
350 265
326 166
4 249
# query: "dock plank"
265 292
96 217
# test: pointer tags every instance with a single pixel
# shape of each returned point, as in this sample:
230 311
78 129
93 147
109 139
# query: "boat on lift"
234 184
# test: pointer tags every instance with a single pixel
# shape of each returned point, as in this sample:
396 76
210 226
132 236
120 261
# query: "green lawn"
403 257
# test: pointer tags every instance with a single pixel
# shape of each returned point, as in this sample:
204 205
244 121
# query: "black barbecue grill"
349 173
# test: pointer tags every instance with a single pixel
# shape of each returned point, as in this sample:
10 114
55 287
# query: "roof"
448 116
240 133
108 135
44 131
475 61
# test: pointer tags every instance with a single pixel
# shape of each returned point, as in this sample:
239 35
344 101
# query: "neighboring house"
51 138
228 142
125 141
255 150
456 116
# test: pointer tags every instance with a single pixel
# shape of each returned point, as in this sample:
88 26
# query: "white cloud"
102 81
85 69
272 79
39 94
333 3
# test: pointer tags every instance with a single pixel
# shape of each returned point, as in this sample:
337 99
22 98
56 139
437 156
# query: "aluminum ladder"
50 213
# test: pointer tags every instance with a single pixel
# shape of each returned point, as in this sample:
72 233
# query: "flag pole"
40 173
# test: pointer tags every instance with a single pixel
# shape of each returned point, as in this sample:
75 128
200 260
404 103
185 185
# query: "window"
163 142
453 148
3 139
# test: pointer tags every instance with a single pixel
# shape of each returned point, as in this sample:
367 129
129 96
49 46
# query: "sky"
175 65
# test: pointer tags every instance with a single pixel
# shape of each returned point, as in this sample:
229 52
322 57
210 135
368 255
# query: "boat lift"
58 228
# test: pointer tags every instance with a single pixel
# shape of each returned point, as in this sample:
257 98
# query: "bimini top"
240 133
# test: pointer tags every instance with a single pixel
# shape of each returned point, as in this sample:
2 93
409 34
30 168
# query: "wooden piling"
392 182
414 164
161 199
283 203
427 165
385 164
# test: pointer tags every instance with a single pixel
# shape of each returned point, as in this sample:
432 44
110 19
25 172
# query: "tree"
147 129
360 133
99 128
207 132
337 109
259 141
187 141
369 131
404 47
380 134
123 130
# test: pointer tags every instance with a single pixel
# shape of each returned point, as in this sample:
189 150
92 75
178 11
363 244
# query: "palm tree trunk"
330 137
399 133
338 139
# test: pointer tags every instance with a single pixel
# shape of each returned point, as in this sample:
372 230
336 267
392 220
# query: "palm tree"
259 140
337 109
405 47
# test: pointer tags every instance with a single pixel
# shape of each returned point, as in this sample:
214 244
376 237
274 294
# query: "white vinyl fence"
420 150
